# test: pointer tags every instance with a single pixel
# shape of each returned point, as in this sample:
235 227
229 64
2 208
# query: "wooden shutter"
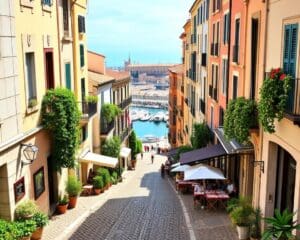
68 75
286 50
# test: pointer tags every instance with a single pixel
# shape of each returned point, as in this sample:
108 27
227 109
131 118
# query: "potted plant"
91 99
73 188
242 217
273 98
41 220
98 184
280 226
25 210
32 102
105 175
62 204
255 232
25 229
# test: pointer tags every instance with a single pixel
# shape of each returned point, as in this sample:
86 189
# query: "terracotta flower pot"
25 238
61 209
97 191
72 202
37 234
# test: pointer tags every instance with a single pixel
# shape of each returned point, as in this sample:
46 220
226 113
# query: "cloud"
137 26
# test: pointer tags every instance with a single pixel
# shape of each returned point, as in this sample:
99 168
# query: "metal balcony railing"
88 109
105 129
125 103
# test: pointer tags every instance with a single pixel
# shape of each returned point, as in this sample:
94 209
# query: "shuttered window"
81 24
68 75
81 55
289 60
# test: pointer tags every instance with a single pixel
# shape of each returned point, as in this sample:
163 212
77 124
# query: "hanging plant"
273 98
109 112
60 115
240 117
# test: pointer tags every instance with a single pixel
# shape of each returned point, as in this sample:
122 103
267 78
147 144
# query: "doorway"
52 184
285 180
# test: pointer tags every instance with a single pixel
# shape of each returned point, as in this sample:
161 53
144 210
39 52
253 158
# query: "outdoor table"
184 186
216 198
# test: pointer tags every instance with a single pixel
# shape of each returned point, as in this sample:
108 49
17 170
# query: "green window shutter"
81 55
68 75
286 49
293 50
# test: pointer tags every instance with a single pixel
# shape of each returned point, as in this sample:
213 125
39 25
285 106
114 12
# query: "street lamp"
30 152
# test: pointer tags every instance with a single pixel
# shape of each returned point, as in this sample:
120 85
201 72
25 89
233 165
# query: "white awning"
125 152
100 160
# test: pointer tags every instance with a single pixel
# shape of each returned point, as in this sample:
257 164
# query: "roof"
152 65
231 146
202 154
194 4
118 75
100 79
99 54
176 69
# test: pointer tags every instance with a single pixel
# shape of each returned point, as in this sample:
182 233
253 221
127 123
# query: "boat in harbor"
145 117
158 117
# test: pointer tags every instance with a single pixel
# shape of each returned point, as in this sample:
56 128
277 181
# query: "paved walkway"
143 206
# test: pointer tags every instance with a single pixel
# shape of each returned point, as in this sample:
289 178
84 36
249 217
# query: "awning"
125 152
203 171
232 146
171 153
198 155
100 160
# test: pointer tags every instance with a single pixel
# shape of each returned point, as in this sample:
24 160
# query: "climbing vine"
60 115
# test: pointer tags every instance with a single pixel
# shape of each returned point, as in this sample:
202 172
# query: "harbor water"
145 129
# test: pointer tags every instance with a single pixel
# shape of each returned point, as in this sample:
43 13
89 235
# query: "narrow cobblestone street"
146 207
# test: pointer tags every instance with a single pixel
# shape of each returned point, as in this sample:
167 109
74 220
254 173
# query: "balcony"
202 106
88 109
210 91
125 103
125 133
292 111
203 60
106 128
235 54
215 94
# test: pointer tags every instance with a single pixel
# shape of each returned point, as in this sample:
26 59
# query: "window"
235 87
47 2
224 75
200 20
221 117
207 9
289 61
30 76
236 41
211 117
49 69
226 29
65 6
68 75
82 89
81 55
254 50
84 133
81 24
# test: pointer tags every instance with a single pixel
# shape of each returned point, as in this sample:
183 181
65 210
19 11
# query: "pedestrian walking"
162 170
142 155
152 158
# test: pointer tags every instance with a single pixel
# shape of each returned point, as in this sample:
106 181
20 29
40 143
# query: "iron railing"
88 109
125 103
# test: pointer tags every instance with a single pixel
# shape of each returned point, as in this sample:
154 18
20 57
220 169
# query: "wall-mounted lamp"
30 152
259 163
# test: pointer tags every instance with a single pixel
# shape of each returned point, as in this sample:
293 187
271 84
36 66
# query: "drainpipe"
229 48
59 43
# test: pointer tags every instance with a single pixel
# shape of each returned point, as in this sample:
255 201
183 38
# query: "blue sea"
146 128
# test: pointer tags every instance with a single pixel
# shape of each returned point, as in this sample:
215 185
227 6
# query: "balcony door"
49 68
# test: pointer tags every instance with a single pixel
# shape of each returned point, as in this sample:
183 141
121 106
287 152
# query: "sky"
147 30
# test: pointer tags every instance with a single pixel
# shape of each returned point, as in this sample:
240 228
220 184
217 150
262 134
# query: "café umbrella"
203 171
181 168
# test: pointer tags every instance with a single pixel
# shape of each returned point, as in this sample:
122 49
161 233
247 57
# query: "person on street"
152 158
142 155
162 170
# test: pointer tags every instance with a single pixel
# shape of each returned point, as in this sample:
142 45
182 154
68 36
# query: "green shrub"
241 212
41 219
8 230
73 186
105 175
111 147
114 177
201 135
25 210
98 182
26 228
